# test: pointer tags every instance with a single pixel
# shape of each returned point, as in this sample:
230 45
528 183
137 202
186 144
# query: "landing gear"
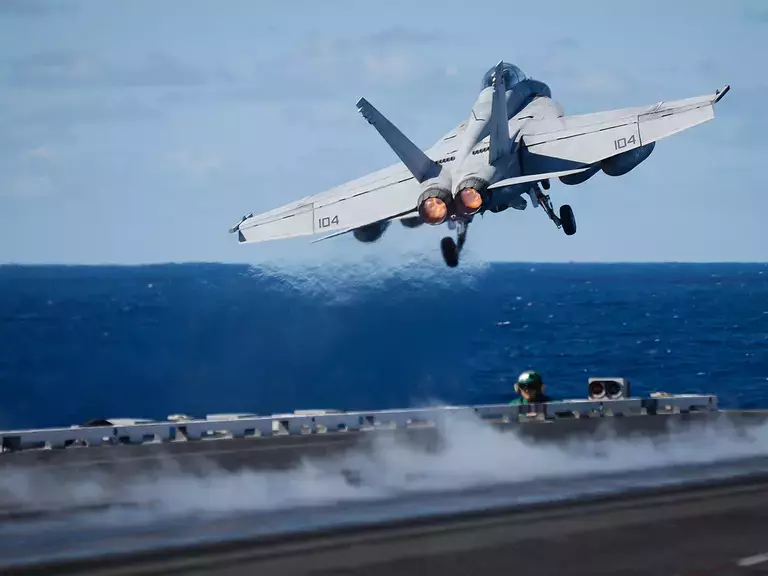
566 220
451 249
450 252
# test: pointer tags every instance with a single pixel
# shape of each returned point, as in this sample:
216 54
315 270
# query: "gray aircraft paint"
503 153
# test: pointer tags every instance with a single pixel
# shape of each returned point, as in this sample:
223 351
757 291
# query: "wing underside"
573 141
335 215
387 194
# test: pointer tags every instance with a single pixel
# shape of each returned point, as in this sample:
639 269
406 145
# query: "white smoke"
472 454
341 279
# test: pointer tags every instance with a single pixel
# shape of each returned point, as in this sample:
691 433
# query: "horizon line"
309 264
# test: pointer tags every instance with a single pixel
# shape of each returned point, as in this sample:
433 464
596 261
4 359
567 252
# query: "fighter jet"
515 141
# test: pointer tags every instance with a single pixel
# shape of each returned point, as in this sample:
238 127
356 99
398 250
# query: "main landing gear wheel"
568 220
451 249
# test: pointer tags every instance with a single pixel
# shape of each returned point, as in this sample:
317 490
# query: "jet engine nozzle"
433 211
435 206
469 201
470 196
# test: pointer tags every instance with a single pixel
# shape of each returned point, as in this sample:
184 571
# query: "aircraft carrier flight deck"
600 485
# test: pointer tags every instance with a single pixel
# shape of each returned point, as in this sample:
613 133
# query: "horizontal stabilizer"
535 177
418 163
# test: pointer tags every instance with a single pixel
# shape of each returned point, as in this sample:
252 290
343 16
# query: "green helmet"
529 379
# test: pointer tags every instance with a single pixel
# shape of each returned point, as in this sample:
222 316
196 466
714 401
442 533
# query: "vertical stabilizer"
420 165
500 144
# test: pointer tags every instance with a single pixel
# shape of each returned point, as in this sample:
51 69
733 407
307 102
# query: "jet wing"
569 142
388 194
383 195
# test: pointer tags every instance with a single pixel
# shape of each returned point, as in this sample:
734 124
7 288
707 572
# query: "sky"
140 131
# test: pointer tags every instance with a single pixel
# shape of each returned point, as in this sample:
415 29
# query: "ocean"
82 342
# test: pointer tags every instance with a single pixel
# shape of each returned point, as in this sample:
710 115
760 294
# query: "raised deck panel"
222 426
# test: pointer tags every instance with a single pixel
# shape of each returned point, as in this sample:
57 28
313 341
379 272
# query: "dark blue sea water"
86 342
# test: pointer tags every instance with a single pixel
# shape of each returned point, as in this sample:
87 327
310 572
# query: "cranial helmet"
529 379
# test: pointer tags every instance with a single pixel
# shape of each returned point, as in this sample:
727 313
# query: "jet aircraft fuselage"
514 142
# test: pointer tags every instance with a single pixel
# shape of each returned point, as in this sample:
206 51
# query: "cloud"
337 61
755 13
34 8
26 186
594 82
557 62
195 164
392 67
53 121
565 43
39 153
392 58
746 129
400 37
29 173
66 69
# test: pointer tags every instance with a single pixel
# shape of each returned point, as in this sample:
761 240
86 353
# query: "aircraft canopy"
511 73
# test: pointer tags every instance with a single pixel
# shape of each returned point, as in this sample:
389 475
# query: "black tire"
450 253
568 220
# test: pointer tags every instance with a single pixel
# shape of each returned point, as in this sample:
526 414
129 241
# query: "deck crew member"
530 386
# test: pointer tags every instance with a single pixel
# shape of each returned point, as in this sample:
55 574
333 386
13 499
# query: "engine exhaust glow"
471 199
433 211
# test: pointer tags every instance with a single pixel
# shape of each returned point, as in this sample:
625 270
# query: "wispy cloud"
195 164
400 37
756 13
54 121
35 8
26 186
42 152
65 69
30 173
599 82
557 61
391 58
